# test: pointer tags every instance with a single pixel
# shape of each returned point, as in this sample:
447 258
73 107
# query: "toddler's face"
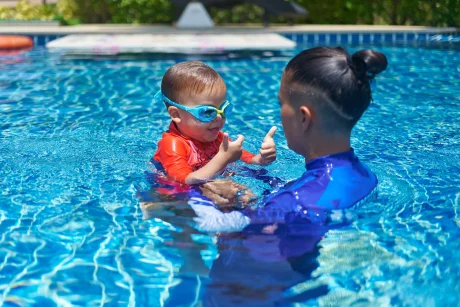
195 129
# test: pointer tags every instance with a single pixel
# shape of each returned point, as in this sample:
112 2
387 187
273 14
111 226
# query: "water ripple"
76 135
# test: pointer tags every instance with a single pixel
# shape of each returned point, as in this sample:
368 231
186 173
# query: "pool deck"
37 29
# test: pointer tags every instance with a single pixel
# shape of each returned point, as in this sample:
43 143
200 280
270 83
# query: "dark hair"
343 81
189 78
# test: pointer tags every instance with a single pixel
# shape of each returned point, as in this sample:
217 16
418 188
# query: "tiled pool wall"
367 38
332 38
42 40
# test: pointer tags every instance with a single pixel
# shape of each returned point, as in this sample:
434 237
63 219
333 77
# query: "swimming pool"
76 136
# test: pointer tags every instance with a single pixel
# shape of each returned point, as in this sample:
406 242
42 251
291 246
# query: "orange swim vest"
179 155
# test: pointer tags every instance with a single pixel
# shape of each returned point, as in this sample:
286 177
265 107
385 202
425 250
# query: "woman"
323 94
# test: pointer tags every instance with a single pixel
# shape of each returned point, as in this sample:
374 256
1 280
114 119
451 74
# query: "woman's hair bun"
341 78
369 62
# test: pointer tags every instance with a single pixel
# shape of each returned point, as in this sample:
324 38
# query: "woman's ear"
306 116
174 113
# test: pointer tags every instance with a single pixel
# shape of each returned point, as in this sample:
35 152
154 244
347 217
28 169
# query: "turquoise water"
77 135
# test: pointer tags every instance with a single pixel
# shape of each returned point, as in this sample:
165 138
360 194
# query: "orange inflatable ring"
15 42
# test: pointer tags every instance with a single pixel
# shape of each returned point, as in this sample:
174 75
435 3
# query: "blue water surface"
75 140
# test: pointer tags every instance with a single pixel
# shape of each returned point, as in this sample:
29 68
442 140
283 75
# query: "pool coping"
166 29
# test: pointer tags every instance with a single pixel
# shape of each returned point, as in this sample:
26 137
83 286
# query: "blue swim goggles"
204 113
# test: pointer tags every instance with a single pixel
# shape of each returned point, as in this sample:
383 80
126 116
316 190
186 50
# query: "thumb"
225 141
239 140
270 133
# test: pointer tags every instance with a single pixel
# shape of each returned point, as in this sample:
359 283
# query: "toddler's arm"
228 152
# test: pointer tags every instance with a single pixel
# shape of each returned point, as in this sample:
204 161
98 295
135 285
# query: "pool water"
75 140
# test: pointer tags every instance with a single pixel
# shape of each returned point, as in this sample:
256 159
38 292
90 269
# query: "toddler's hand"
231 151
268 148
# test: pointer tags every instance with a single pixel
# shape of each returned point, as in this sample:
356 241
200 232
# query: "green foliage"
245 13
67 9
397 12
117 11
339 12
25 11
141 11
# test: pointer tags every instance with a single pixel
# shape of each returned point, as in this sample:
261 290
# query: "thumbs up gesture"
231 151
268 148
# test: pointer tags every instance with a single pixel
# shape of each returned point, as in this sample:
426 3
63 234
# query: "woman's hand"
226 193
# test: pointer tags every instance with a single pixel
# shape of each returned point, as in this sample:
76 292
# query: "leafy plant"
25 11
397 12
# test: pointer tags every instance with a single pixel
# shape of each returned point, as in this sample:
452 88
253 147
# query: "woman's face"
291 119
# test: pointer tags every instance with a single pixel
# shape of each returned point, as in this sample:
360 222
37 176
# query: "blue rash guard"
330 185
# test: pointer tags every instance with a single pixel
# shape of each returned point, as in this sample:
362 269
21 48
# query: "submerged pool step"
105 44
